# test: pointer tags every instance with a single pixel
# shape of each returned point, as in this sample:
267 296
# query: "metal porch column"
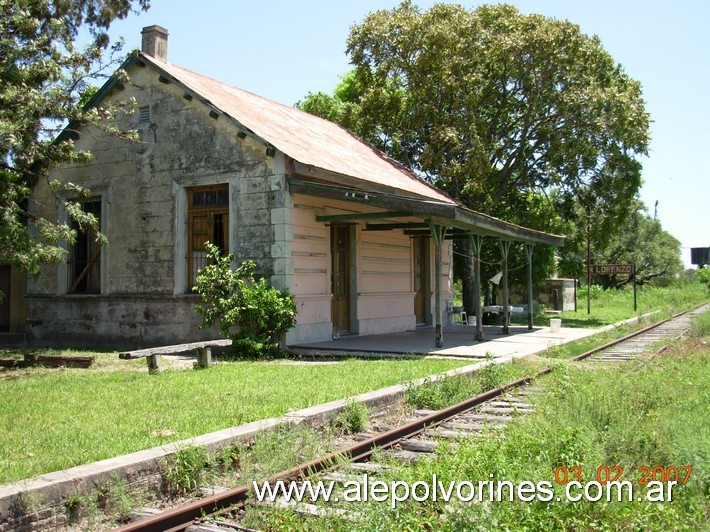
528 256
504 250
476 242
438 233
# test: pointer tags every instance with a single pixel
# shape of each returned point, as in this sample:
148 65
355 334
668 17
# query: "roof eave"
446 214
308 171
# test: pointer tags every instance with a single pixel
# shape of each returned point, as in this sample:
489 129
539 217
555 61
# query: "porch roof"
436 212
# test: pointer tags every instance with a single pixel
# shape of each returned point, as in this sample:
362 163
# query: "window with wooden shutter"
83 259
207 221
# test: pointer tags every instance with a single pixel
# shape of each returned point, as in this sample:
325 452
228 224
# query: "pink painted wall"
384 266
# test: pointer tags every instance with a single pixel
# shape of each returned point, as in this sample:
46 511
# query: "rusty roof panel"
305 138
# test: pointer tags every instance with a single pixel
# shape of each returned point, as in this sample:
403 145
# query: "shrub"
250 312
703 275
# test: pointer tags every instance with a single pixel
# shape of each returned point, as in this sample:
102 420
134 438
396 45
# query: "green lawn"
55 419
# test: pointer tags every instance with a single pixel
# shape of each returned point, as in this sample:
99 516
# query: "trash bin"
555 324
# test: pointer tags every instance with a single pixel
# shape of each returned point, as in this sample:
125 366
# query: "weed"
74 505
227 458
492 376
282 448
185 469
117 500
353 418
447 391
441 393
25 502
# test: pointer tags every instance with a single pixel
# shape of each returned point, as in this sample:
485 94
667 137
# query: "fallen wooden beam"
52 361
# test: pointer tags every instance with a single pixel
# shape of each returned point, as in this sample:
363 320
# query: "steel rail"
589 353
178 519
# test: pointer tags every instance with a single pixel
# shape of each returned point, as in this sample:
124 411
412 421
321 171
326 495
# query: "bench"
152 354
498 312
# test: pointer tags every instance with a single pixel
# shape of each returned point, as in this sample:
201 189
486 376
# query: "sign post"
634 288
613 269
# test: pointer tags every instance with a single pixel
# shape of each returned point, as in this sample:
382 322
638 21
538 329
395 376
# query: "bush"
703 275
250 312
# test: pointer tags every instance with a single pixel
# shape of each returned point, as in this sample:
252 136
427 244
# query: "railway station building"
362 243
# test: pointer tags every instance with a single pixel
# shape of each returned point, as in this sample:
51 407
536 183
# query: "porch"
459 341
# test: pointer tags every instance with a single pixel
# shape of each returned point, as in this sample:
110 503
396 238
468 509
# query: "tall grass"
451 390
650 413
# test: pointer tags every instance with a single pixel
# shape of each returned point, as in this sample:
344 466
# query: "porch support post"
504 249
528 256
438 233
476 242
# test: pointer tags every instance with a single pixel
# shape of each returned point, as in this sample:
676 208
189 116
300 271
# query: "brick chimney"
155 42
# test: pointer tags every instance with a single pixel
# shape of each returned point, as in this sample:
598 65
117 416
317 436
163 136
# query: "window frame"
180 187
210 209
102 194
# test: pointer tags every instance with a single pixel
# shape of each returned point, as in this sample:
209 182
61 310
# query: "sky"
284 49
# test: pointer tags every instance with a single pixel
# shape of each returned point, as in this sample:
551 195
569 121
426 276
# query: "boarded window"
144 115
83 264
207 221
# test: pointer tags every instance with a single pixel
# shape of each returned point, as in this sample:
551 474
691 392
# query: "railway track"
418 438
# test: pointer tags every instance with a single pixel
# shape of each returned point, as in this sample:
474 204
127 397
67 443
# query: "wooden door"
421 272
340 277
5 283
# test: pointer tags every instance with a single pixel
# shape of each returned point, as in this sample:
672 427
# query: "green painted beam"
391 227
363 216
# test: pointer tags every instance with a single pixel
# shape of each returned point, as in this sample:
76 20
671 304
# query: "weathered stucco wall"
384 273
144 297
144 215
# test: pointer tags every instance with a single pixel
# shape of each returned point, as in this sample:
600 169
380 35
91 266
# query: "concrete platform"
458 342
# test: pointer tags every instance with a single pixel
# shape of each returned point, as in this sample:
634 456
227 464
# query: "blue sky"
283 49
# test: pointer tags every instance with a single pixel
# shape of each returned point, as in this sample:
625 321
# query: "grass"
612 306
54 419
649 412
451 390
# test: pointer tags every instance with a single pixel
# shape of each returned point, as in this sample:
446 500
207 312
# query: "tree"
639 240
492 105
45 82
642 241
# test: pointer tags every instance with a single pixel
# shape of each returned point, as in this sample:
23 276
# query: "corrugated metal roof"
305 138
